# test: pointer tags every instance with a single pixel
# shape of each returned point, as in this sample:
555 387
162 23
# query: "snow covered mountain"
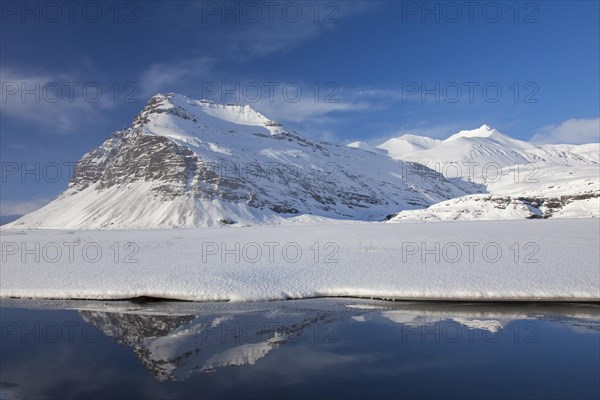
190 163
521 180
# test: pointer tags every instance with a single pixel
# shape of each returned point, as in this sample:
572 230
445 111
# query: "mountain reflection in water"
175 347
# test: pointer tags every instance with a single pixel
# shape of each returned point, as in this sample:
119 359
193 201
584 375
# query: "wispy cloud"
58 102
9 208
210 48
572 131
214 44
306 109
172 77
233 46
241 31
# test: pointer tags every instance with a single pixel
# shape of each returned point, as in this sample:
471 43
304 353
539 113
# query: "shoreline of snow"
370 260
524 300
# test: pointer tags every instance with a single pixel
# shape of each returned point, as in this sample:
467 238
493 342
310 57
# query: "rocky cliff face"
186 162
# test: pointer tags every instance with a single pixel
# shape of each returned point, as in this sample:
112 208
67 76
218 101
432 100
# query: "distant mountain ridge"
487 145
521 180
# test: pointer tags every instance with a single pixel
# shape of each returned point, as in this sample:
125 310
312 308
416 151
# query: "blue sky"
366 71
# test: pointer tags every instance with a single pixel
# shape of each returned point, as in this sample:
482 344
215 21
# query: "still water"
320 348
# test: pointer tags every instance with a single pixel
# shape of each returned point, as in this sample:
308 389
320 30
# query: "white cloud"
306 109
572 131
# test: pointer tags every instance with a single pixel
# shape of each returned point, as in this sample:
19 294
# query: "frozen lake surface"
488 260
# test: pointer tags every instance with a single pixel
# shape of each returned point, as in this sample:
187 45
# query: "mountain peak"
483 131
181 100
161 107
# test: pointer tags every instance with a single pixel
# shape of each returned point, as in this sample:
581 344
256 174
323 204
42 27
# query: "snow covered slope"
366 147
590 151
190 163
485 260
497 207
404 145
